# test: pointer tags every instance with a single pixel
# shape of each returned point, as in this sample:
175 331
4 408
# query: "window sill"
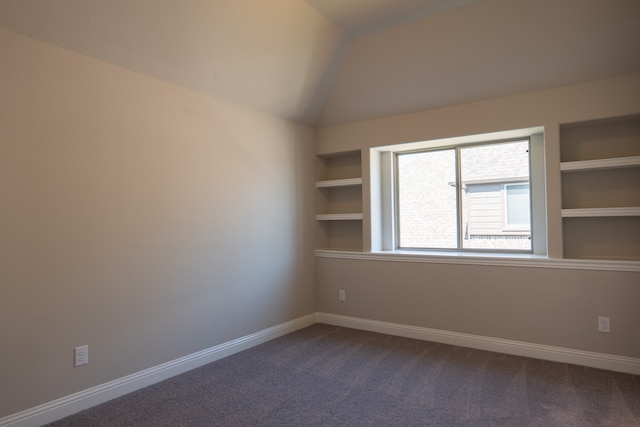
492 259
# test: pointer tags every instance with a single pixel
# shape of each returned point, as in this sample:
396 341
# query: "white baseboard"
538 351
85 399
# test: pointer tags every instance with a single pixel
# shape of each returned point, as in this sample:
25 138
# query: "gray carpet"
331 376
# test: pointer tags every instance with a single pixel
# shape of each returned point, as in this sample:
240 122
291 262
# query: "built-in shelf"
339 210
339 183
600 212
584 165
600 165
339 217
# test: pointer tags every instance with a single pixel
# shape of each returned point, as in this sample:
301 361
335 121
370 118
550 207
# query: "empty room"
319 212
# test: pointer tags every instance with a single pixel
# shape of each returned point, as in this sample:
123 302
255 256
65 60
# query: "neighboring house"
496 198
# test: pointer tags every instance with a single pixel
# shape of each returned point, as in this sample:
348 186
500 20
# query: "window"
452 198
518 206
480 194
427 199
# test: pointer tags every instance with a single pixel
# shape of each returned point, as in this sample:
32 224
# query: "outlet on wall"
81 355
604 324
342 295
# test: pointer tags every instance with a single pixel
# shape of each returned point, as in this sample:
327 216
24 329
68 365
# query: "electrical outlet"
81 355
342 295
604 324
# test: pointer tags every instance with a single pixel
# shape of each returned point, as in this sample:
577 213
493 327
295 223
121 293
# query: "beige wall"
539 305
483 50
142 219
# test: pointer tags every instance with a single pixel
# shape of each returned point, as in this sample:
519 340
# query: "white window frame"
383 204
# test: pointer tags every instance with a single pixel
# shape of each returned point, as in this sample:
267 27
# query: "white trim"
600 212
463 140
538 351
339 217
68 405
499 260
611 163
339 182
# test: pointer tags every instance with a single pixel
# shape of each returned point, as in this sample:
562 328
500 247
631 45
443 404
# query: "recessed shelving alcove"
339 201
600 166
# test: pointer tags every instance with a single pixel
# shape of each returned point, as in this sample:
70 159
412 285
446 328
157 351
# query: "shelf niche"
600 165
339 201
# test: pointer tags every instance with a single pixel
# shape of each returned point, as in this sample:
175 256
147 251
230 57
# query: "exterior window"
468 197
518 208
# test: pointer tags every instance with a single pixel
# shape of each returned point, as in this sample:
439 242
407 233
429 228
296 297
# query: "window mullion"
459 198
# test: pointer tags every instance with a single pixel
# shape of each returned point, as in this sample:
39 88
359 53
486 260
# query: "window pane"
518 211
427 212
488 215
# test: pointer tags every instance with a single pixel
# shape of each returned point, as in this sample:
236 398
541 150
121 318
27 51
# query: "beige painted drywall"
277 56
538 305
483 50
140 218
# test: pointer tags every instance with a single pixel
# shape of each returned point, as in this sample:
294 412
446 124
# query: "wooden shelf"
339 183
339 217
613 163
600 212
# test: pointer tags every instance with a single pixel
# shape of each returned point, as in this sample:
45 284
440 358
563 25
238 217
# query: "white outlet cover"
604 324
81 355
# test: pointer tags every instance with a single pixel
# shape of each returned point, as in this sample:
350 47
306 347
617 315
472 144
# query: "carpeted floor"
331 376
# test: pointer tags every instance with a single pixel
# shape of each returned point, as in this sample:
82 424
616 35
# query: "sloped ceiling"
326 62
361 17
270 55
483 50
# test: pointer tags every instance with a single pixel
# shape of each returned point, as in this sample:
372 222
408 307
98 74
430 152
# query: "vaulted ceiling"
325 62
361 17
